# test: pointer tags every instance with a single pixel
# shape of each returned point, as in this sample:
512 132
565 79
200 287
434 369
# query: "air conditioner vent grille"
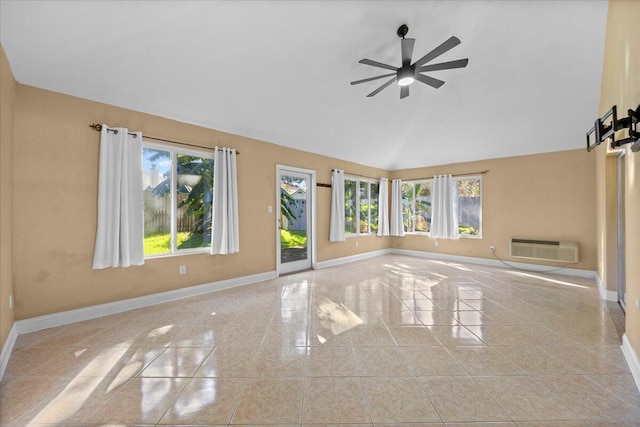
537 242
544 250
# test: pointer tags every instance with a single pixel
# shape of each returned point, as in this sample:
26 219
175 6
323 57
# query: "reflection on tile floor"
394 340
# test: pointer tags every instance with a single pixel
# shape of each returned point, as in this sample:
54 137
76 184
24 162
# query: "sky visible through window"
151 157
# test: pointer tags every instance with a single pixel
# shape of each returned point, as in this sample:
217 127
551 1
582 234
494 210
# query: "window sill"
349 236
426 234
181 253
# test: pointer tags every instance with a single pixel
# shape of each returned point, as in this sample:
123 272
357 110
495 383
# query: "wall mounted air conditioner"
544 250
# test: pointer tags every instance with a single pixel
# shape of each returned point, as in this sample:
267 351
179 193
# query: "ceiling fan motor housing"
406 76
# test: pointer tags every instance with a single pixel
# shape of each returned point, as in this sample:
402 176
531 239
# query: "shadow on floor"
295 253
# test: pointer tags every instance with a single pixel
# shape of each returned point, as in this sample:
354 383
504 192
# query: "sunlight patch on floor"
80 388
546 279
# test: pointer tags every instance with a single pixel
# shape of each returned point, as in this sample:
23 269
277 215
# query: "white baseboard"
7 349
589 274
96 311
576 272
93 312
632 359
87 313
352 258
604 293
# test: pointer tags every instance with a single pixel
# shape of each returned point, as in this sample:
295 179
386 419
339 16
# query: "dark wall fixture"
606 127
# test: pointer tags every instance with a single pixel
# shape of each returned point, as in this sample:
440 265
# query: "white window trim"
358 180
173 152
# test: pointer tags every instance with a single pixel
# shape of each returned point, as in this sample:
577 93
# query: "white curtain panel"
336 226
225 239
120 233
383 208
444 218
397 228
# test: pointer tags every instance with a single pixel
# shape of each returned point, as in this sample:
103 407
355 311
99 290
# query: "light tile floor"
387 341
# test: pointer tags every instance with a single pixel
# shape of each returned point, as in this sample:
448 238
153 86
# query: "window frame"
456 179
369 181
173 155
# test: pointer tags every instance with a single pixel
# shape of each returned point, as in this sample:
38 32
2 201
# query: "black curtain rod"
98 127
319 184
361 176
322 184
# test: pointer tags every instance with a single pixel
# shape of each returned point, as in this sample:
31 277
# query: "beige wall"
621 87
542 196
55 176
55 173
7 95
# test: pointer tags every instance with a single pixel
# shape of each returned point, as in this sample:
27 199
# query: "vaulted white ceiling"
279 71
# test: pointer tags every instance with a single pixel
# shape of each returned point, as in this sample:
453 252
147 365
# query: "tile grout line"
307 355
364 389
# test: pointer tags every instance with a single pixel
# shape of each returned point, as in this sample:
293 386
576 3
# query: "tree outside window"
416 206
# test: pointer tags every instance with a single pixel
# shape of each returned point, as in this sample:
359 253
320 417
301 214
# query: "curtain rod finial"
96 126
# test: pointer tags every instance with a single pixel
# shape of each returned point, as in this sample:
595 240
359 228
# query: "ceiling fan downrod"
402 31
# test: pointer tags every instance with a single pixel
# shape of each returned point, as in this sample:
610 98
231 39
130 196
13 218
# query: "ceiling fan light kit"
406 74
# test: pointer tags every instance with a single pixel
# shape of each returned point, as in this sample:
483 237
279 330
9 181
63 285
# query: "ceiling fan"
408 72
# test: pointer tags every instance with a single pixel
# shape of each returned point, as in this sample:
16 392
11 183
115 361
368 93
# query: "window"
416 206
360 206
469 192
177 193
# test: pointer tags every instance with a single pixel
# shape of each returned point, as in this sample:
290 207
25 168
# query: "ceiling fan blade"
378 64
372 78
443 48
375 92
429 80
460 63
404 91
407 50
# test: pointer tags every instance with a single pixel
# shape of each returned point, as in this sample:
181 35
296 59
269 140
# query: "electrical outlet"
492 248
638 303
10 301
270 209
436 243
183 269
357 243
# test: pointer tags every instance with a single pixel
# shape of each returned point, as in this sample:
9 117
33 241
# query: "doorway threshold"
290 273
